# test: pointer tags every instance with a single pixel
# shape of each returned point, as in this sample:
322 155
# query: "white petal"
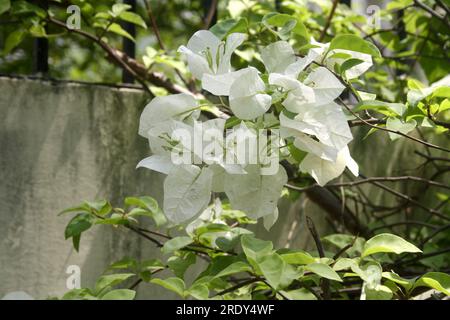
294 69
220 84
198 65
328 123
323 151
187 192
157 163
233 41
284 81
158 144
323 171
298 94
245 100
298 98
326 86
278 56
174 106
255 194
201 40
349 161
270 219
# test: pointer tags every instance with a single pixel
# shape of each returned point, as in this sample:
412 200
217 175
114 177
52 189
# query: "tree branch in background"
138 70
210 15
373 179
426 8
324 283
328 22
159 39
393 131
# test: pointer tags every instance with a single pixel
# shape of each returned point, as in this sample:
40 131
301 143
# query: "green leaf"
389 243
5 5
348 64
20 7
117 29
199 291
79 294
78 224
79 209
151 265
176 244
441 92
255 249
125 263
120 294
405 283
297 257
324 271
225 27
234 268
179 264
379 292
119 8
354 43
388 109
435 280
278 273
344 263
212 228
133 18
96 205
13 40
287 23
110 280
76 242
299 294
173 284
37 30
115 219
396 124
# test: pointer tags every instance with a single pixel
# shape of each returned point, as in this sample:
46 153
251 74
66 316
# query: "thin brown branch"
402 223
393 131
237 286
210 15
324 283
328 22
426 8
154 25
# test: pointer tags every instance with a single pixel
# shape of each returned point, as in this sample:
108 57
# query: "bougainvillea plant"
259 107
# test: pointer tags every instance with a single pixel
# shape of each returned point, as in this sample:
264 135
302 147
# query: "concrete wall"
60 144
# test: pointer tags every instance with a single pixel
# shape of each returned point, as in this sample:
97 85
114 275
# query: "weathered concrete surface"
62 144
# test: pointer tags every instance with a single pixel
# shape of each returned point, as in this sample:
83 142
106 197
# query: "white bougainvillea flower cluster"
311 118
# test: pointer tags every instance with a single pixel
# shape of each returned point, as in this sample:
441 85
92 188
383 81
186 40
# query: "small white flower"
175 106
326 122
247 98
209 59
278 56
323 170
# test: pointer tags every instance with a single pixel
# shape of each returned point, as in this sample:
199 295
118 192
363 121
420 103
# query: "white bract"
247 98
324 170
209 60
201 157
187 191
